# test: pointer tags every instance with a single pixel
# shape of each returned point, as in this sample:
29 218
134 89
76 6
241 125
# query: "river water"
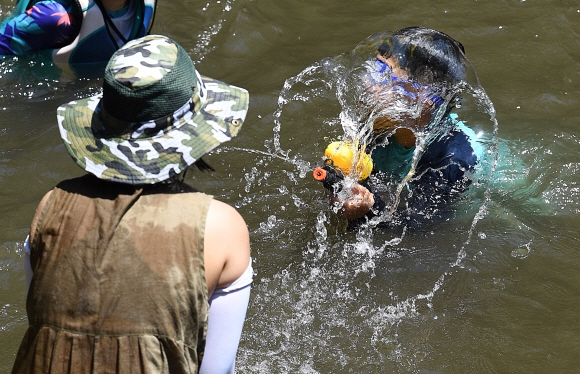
493 289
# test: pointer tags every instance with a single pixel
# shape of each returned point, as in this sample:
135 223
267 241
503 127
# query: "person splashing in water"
417 145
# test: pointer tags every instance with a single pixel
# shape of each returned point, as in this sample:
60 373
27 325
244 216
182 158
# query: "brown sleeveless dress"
119 282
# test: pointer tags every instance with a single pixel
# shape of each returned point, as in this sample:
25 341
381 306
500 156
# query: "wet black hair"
429 56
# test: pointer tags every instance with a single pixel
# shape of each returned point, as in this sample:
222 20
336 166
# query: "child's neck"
114 5
404 137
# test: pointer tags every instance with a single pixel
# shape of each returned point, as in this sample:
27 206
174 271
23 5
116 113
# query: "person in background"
75 34
411 88
127 262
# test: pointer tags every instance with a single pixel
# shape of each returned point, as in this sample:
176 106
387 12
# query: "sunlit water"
493 288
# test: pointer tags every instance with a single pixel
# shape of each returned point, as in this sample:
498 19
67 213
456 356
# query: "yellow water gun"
342 158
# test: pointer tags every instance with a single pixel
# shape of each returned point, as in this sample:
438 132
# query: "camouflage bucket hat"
155 117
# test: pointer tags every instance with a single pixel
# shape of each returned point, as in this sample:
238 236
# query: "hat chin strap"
110 25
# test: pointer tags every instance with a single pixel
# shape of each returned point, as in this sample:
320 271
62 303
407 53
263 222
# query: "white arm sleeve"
227 312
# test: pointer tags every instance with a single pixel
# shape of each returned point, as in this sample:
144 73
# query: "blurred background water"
494 289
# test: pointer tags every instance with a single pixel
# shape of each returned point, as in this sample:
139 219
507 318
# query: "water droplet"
523 251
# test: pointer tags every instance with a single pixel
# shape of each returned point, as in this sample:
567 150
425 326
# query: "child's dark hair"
429 56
